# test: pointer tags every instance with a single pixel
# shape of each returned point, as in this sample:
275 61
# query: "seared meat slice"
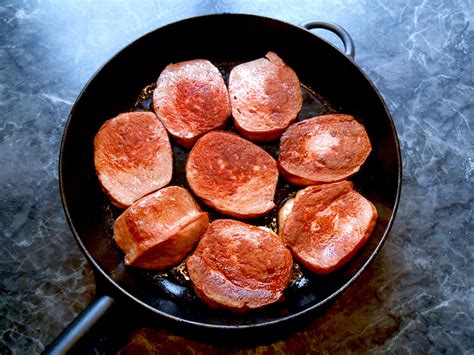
232 175
325 225
132 157
239 267
323 149
265 96
191 99
159 230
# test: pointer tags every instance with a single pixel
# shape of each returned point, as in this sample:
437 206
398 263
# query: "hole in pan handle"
349 48
81 326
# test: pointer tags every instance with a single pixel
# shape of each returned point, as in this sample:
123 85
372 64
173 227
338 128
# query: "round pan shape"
321 68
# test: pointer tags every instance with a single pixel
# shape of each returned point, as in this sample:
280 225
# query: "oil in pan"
174 282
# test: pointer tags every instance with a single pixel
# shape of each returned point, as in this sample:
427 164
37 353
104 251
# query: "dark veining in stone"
417 296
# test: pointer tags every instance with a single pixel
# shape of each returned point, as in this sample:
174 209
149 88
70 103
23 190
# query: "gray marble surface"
417 296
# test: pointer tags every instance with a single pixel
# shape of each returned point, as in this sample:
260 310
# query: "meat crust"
232 175
132 157
239 267
191 99
265 96
323 149
325 225
159 230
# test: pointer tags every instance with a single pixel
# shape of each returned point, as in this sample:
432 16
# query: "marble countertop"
417 296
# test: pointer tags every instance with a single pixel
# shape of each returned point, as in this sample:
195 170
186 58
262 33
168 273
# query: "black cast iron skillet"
331 82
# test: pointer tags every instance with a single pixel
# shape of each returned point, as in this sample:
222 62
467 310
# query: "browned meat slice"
191 99
232 175
159 230
325 225
265 95
239 267
132 157
323 149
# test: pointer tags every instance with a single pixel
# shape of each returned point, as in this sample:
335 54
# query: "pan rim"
263 324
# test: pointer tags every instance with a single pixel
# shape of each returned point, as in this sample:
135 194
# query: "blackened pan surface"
331 82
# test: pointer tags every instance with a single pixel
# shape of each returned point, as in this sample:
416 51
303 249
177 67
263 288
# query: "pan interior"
331 83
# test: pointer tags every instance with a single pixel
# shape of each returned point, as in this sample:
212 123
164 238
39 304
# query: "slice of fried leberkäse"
325 225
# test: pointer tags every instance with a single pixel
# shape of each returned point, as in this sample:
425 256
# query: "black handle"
80 326
349 48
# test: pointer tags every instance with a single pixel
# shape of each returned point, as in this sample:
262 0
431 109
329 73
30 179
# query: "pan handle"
80 326
349 48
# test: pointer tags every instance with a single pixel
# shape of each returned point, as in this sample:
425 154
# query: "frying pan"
331 82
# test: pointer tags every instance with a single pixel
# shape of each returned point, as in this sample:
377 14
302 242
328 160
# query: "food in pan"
191 99
232 175
325 225
265 95
132 157
160 229
323 149
235 266
239 267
